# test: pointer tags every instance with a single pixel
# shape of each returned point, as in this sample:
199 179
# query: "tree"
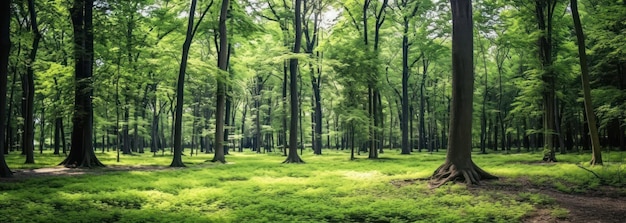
311 38
82 151
459 164
293 156
584 68
544 14
177 160
221 85
5 49
28 86
404 122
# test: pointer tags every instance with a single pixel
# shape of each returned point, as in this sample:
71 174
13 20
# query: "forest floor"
603 205
329 188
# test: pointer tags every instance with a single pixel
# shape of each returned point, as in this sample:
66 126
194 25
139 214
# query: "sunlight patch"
354 175
279 180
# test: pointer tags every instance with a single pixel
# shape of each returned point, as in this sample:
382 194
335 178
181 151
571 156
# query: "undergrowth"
258 188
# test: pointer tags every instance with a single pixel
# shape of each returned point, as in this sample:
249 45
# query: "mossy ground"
258 188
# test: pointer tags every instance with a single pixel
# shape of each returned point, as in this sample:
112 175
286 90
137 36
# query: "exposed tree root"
177 164
595 161
90 161
218 160
293 160
449 172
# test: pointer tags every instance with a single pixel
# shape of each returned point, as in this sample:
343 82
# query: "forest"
398 110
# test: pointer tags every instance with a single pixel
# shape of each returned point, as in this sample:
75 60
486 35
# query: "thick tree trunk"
5 49
459 164
584 67
82 151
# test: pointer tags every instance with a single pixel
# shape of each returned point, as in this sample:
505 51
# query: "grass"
258 188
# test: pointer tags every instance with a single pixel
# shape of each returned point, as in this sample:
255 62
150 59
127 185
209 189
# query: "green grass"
258 188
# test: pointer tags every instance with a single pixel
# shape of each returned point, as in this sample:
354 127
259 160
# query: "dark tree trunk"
243 125
82 152
404 122
591 117
257 119
177 160
28 85
311 41
222 62
42 128
5 49
459 164
284 104
125 129
544 11
422 113
293 156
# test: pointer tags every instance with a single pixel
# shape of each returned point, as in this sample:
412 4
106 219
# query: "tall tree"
82 151
5 49
314 7
177 160
293 156
222 62
404 115
28 85
459 164
544 14
584 68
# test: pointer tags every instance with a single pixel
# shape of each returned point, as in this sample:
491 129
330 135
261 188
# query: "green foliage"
257 188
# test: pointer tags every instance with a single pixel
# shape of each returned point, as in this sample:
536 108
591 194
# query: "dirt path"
24 174
604 205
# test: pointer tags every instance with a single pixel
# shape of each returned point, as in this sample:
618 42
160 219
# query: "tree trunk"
28 85
483 112
222 62
404 123
584 67
5 49
42 128
459 164
82 152
177 160
293 156
544 14
243 125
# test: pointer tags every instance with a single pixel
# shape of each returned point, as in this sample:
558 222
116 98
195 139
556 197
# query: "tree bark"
28 85
177 160
459 164
584 67
293 156
5 49
221 85
404 123
544 14
82 152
